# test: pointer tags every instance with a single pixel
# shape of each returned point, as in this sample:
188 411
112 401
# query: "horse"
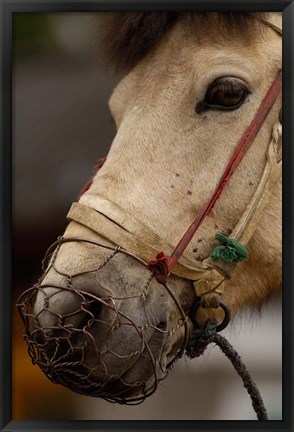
124 287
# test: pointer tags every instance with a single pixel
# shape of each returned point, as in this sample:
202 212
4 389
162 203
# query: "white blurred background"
61 126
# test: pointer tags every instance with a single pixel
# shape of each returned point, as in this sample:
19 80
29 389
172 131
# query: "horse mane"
126 37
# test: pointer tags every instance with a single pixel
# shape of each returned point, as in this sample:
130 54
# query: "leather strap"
250 219
138 229
274 20
116 233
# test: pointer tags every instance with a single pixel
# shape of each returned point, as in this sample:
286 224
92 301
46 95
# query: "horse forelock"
126 38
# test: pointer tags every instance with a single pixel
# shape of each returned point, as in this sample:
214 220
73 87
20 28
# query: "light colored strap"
122 218
250 219
118 235
138 229
271 174
274 20
212 281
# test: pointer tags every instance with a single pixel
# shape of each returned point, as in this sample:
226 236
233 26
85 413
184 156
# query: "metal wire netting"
76 348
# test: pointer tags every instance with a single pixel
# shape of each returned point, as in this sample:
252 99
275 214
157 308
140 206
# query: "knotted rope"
198 342
229 250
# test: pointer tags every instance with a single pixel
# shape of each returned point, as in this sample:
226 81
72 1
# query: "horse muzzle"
98 338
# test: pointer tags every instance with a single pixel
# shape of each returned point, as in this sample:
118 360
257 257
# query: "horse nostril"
162 325
95 342
92 311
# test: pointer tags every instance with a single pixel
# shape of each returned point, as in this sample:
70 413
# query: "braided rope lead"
199 341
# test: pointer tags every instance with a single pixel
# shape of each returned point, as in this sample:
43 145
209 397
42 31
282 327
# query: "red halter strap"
162 265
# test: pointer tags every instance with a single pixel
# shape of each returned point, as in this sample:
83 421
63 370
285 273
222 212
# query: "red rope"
159 267
90 181
244 143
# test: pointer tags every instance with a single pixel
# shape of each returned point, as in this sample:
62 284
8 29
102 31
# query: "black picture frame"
7 8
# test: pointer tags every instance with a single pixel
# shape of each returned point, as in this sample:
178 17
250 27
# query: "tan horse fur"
166 160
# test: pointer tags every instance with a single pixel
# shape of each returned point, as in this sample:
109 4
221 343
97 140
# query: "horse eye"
225 94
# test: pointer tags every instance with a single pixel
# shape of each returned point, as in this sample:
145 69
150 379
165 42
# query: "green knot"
229 250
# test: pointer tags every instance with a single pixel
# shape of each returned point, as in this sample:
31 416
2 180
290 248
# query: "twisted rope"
198 343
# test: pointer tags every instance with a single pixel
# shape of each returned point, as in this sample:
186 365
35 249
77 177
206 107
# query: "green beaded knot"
229 250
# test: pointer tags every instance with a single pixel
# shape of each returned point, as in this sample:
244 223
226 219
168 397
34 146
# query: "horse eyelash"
203 106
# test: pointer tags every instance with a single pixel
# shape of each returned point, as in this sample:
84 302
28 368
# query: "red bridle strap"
163 264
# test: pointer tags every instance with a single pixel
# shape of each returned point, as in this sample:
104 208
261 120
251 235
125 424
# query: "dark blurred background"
61 126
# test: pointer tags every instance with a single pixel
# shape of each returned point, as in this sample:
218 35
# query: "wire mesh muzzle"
96 347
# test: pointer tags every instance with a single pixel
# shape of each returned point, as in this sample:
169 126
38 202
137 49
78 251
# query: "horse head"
99 321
